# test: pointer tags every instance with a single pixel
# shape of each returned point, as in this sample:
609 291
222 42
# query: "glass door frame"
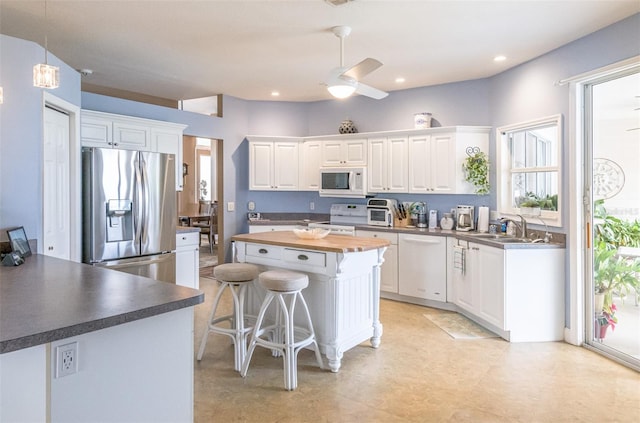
580 319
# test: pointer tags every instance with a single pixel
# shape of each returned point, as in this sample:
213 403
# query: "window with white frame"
529 169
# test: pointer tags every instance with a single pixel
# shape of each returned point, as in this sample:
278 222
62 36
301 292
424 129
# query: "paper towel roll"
483 219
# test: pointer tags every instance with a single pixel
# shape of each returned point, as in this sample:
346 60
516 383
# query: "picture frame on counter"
19 242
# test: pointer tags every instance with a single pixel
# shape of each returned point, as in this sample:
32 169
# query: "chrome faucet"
522 225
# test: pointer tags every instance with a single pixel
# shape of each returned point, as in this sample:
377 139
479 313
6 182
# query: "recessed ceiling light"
275 93
500 58
400 80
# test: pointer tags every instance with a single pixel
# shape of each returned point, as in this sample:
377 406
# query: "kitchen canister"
422 120
446 222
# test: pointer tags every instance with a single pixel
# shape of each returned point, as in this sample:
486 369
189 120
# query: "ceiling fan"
343 81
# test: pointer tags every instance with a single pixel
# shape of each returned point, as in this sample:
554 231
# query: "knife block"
401 223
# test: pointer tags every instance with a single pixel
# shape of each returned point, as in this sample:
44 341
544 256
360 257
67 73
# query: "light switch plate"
231 206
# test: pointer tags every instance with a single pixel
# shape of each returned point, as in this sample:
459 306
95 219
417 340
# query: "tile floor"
418 374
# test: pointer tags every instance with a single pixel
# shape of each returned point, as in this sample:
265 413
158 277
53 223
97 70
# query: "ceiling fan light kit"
345 81
341 91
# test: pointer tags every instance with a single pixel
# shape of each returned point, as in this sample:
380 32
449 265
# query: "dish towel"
459 258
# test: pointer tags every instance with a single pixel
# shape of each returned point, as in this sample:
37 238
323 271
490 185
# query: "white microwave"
348 182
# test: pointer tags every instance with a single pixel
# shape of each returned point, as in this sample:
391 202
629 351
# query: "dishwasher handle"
423 241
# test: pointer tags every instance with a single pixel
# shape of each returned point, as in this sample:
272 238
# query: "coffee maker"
465 218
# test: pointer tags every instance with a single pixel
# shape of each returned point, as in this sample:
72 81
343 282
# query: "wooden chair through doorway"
208 227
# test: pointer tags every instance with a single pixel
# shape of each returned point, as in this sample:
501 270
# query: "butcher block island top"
330 243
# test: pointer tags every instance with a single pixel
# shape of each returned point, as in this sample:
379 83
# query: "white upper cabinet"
168 139
107 130
352 152
387 169
273 165
435 160
425 161
310 161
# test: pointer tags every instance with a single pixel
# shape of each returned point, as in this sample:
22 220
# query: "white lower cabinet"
479 285
422 266
389 269
502 288
188 259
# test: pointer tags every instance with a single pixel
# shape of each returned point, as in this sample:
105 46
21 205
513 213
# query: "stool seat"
236 272
283 280
236 277
283 337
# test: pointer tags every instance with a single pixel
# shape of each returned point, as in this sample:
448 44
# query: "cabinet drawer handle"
263 251
303 257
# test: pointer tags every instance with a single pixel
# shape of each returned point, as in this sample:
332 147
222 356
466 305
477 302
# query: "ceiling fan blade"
363 68
369 91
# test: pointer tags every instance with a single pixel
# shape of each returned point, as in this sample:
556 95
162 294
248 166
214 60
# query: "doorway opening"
202 190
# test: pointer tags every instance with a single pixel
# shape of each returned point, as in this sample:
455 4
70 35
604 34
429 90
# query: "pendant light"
44 74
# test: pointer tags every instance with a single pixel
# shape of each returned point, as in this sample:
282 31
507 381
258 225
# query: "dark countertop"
47 299
558 240
290 219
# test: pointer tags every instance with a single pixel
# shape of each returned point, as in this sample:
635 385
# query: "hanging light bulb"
44 74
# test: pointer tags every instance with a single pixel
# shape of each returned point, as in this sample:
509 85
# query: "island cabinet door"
422 264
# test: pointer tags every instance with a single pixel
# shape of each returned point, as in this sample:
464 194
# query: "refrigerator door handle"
139 206
145 193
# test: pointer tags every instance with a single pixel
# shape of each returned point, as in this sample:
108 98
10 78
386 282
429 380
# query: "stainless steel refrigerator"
129 211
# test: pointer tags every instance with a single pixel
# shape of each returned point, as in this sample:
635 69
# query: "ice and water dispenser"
119 220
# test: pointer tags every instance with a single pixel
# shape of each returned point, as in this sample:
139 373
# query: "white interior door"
56 210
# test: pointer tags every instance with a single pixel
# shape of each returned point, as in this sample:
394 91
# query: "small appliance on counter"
465 216
433 219
380 211
421 214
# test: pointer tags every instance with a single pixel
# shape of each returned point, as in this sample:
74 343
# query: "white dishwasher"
422 266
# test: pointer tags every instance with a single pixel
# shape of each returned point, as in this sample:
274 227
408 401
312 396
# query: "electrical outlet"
312 205
251 206
231 206
66 359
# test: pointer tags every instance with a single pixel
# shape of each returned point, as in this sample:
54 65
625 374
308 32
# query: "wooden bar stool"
283 337
236 277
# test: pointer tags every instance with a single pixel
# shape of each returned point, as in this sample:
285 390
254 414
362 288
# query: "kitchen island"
344 283
123 329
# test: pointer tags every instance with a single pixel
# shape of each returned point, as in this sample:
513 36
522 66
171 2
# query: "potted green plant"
612 272
476 168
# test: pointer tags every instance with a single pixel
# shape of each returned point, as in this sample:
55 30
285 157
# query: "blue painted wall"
21 132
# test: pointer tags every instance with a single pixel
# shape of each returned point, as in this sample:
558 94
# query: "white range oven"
344 218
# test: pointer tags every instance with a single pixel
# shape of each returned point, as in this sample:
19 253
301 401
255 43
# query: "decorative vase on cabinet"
347 127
